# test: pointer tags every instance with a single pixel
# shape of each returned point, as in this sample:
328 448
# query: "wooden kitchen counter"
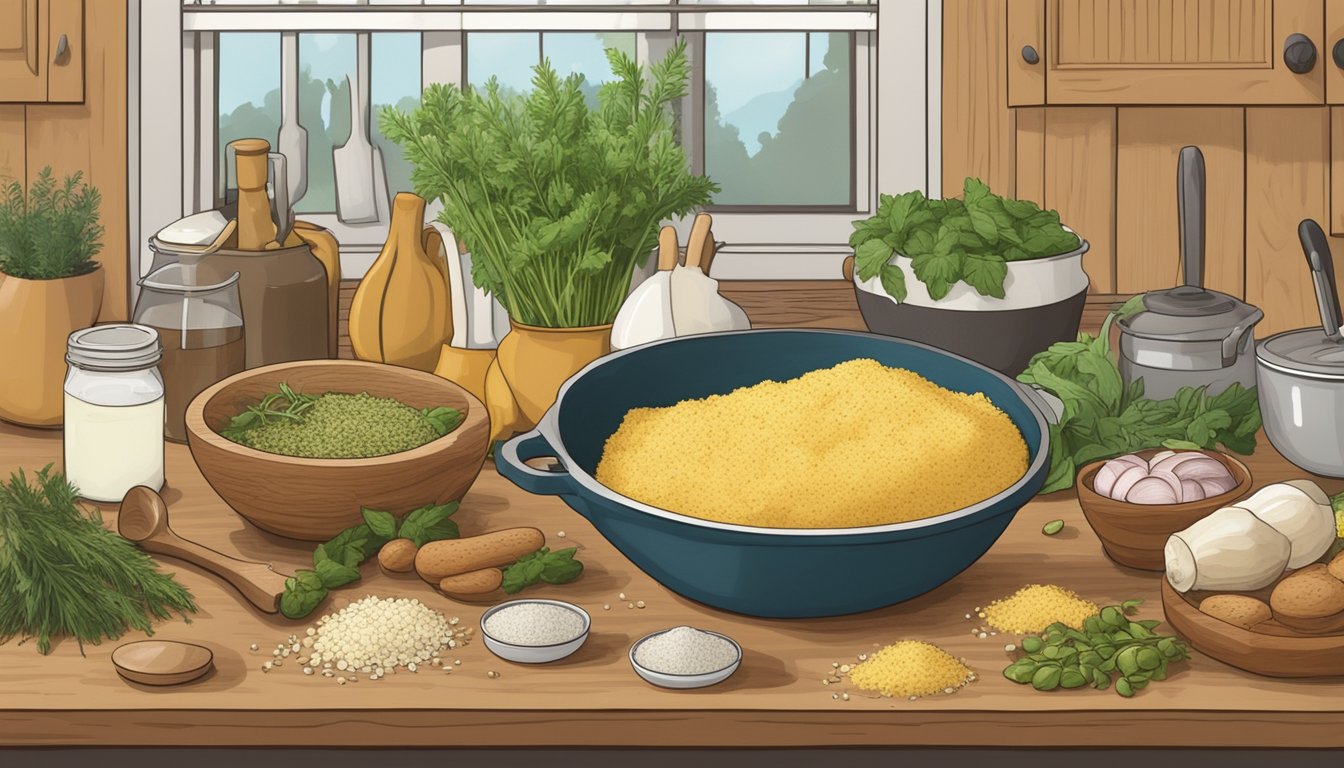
776 699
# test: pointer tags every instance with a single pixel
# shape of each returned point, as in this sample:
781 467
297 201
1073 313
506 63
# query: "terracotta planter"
36 317
529 368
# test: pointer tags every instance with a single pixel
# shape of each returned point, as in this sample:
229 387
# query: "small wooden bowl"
1269 648
314 499
1135 534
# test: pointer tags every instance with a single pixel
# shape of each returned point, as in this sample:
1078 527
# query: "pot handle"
1051 407
509 458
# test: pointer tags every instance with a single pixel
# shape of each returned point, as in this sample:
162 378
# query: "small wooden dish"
162 662
315 499
1269 649
1135 534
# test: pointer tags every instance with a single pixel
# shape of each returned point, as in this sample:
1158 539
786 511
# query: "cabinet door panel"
1334 35
22 69
1287 164
1026 53
65 67
1181 51
1147 240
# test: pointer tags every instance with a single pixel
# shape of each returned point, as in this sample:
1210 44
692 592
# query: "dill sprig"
62 574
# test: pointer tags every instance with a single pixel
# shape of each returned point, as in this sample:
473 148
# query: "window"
782 110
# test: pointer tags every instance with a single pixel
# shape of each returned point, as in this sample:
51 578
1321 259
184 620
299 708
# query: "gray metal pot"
1189 336
1302 374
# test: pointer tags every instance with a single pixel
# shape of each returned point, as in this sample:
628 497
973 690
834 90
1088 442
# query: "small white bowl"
667 680
535 654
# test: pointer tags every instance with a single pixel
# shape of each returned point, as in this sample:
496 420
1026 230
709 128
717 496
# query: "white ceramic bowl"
535 654
666 680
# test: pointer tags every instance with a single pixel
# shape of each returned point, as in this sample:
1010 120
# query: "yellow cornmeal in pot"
853 445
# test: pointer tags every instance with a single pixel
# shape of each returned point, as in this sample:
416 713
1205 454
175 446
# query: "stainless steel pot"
1302 374
1189 336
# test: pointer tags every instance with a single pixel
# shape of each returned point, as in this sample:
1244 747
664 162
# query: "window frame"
765 242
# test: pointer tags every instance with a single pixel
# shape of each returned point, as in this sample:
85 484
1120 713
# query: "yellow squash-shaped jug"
401 310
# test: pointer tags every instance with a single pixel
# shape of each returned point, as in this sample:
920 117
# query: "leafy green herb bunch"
970 240
51 230
557 200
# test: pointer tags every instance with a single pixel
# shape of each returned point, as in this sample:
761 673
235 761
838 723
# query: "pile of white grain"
534 624
685 651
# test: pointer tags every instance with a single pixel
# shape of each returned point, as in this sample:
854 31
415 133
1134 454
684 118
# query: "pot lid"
1307 351
1190 313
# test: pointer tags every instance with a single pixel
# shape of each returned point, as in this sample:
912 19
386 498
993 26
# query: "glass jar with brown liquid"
201 327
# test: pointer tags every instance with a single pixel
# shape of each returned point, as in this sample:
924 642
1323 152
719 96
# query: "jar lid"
114 347
1190 313
1306 352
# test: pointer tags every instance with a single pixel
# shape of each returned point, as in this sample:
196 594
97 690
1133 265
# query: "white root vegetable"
1300 511
1231 550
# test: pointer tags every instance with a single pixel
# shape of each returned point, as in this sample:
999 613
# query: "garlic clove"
1216 486
1191 490
1159 457
1126 481
1152 490
1200 468
1170 463
1105 478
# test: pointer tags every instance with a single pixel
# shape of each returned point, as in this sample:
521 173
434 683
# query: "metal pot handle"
1051 407
1232 341
509 461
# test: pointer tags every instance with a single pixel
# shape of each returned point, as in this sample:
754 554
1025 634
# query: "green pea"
1053 527
1123 687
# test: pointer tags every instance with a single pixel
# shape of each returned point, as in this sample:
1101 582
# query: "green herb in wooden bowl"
337 425
62 574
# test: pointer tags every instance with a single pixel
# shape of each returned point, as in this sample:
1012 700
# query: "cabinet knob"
1030 55
1337 53
62 50
1299 53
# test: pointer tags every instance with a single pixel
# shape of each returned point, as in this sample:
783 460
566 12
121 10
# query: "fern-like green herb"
51 230
558 201
62 574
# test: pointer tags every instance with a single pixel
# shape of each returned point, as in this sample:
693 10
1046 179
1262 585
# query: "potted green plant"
50 286
558 201
988 277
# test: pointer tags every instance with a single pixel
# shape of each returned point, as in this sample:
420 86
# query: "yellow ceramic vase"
36 317
401 308
529 368
466 368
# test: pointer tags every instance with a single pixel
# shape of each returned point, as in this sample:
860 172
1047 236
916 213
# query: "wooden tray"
1272 649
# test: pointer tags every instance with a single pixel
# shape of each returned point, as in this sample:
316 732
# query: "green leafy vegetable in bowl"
337 425
1103 418
970 240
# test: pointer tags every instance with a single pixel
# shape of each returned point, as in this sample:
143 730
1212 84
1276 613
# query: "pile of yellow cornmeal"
853 445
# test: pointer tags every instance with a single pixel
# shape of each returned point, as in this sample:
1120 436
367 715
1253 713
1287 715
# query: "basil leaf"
443 419
303 593
382 524
430 523
334 574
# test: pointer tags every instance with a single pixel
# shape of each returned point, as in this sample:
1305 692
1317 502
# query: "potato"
450 557
397 556
473 584
1336 567
1240 610
1308 593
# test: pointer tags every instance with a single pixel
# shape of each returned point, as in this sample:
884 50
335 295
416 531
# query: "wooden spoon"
143 518
162 662
667 249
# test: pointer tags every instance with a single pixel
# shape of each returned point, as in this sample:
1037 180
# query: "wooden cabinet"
1178 52
41 51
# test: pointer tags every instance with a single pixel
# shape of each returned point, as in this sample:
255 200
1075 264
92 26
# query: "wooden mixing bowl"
314 499
1136 534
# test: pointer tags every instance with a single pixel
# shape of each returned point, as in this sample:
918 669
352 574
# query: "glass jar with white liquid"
114 411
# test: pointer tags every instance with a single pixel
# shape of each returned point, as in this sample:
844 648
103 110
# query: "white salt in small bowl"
669 680
535 654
